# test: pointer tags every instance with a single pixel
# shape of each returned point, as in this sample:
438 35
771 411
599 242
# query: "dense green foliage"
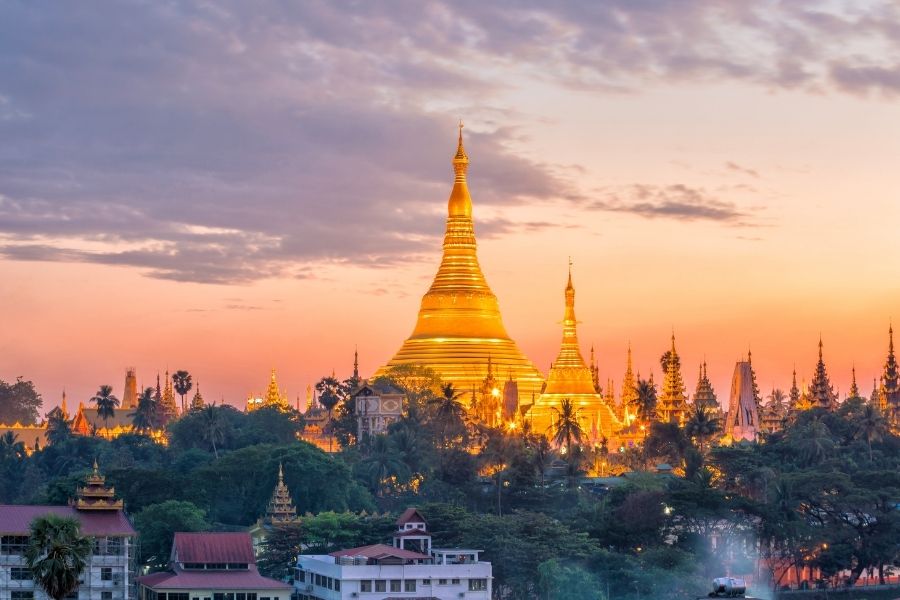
158 523
823 493
19 402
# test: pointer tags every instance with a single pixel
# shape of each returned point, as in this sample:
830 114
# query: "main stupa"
459 331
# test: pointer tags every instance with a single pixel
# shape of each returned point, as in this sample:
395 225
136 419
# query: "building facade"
110 568
409 568
211 566
376 407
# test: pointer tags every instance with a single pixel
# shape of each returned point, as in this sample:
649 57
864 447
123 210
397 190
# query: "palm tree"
146 415
106 403
383 464
816 442
57 554
495 454
448 411
566 427
213 426
181 381
871 426
701 425
58 428
11 448
646 400
542 456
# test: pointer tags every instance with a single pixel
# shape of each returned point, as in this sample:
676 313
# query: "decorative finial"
96 467
461 159
280 474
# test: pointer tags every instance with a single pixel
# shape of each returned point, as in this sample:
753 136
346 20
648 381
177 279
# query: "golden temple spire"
459 320
569 371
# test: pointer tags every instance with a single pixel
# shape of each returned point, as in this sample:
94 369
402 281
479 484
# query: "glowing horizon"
273 195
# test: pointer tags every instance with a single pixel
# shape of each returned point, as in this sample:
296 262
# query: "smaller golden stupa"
571 378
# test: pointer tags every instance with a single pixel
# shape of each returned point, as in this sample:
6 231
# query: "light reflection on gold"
459 324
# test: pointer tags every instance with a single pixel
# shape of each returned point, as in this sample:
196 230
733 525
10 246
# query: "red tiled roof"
380 551
15 519
410 515
214 548
211 580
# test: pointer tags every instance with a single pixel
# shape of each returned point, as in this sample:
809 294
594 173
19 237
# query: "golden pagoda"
459 324
273 398
95 495
570 378
281 507
168 397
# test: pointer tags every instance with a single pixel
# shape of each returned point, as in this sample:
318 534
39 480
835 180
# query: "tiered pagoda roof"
95 495
281 507
672 402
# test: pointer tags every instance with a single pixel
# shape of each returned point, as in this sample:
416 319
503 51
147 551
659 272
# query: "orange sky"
740 211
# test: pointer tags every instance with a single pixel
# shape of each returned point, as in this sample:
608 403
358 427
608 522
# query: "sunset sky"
227 187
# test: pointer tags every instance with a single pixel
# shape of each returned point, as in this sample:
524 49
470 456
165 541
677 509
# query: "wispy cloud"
228 142
677 201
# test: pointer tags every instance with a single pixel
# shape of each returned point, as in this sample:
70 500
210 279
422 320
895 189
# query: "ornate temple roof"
96 495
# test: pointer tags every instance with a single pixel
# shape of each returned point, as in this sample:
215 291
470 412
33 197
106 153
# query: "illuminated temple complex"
571 378
459 328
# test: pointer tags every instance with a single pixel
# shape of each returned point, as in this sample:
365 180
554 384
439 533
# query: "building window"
455 581
337 585
21 595
395 585
426 582
179 596
13 544
478 585
442 582
409 585
115 546
105 595
238 566
20 573
218 596
365 585
300 576
105 573
250 596
241 596
380 585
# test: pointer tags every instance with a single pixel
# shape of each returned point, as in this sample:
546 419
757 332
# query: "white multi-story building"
409 568
109 571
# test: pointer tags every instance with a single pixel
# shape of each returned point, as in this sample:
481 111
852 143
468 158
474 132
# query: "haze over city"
232 188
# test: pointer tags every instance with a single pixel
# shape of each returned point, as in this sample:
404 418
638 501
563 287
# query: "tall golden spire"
459 321
570 378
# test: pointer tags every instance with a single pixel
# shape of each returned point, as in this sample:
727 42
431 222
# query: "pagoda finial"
280 474
356 363
96 467
460 159
569 284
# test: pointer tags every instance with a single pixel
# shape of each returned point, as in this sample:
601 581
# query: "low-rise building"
395 572
211 566
109 571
